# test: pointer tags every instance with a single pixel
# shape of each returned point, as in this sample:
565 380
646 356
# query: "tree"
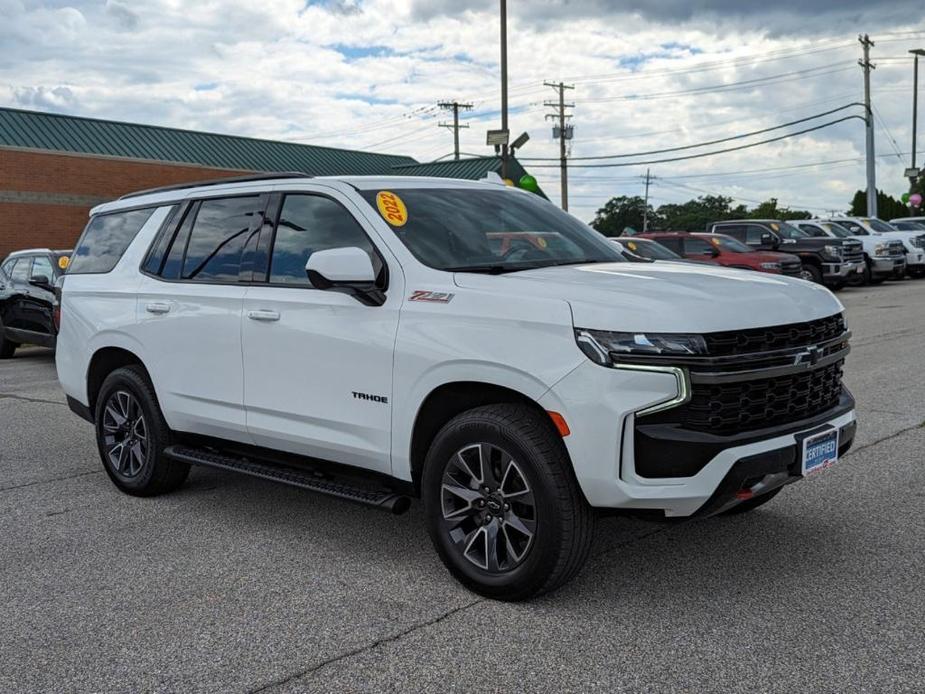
621 212
888 207
770 210
694 215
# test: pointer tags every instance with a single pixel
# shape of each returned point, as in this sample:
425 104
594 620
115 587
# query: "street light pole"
915 98
504 147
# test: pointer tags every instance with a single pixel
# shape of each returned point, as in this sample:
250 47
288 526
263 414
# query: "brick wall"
45 197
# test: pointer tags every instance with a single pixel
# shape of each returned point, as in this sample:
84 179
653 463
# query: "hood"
774 257
666 296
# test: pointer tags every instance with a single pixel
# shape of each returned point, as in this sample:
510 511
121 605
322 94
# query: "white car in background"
884 258
909 223
913 241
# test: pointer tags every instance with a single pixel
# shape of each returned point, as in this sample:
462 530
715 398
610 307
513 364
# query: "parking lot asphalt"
237 585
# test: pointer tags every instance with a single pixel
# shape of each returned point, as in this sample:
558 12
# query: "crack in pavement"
12 396
446 615
53 479
366 648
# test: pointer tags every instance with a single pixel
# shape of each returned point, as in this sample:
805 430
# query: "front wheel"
811 273
7 348
916 273
503 507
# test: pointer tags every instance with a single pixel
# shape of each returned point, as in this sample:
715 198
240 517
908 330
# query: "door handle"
158 307
263 315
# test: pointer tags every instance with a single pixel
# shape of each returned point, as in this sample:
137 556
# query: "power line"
703 144
710 154
731 86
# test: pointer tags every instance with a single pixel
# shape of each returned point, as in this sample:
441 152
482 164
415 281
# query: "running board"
294 477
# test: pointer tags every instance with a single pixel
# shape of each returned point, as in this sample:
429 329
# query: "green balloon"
905 198
527 182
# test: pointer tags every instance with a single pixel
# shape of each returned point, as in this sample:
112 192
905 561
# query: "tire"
127 411
7 348
917 273
752 503
869 279
538 493
811 273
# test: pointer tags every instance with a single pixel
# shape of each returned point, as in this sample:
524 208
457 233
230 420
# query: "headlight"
834 251
603 346
882 249
771 266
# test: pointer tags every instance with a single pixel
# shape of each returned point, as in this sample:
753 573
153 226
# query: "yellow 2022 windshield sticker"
392 208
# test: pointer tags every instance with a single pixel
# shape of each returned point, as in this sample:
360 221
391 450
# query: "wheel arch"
450 399
103 362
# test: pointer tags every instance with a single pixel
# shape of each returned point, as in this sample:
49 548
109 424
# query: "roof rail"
219 181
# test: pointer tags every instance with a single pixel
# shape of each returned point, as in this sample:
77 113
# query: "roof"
61 133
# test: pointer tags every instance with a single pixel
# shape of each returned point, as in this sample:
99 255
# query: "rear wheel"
753 503
131 435
503 507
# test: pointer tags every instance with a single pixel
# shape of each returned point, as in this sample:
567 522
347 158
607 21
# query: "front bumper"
887 265
841 271
915 259
599 405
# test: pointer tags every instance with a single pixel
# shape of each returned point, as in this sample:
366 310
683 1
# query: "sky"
368 74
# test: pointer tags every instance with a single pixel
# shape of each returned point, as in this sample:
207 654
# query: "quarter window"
105 239
218 237
20 271
311 223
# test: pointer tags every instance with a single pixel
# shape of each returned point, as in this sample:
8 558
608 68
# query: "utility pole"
504 147
866 43
454 106
563 132
645 209
915 109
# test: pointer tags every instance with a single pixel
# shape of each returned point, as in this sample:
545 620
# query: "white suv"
471 344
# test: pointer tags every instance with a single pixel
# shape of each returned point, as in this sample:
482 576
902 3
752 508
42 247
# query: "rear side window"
219 233
812 230
672 243
694 246
105 240
311 223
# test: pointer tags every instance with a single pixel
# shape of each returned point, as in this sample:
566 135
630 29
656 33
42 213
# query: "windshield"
836 229
788 231
650 249
470 230
880 225
909 226
727 243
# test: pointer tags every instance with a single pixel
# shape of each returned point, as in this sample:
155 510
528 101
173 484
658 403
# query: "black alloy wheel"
125 434
489 512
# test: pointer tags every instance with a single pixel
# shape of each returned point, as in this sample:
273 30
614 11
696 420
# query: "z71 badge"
433 297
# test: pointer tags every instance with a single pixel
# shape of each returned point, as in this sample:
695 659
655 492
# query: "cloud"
369 74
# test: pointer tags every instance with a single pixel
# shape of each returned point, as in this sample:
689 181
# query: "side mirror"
348 270
40 281
769 239
711 253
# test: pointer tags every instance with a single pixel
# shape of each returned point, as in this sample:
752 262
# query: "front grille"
852 252
737 407
791 267
896 249
775 337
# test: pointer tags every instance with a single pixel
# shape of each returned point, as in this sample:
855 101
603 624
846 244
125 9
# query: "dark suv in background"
833 262
28 304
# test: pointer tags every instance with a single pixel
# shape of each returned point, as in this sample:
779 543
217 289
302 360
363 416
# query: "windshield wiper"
488 269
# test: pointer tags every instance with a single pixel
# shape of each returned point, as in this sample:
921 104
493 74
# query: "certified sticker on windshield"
392 208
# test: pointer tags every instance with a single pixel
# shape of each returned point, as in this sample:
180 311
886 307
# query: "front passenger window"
311 223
